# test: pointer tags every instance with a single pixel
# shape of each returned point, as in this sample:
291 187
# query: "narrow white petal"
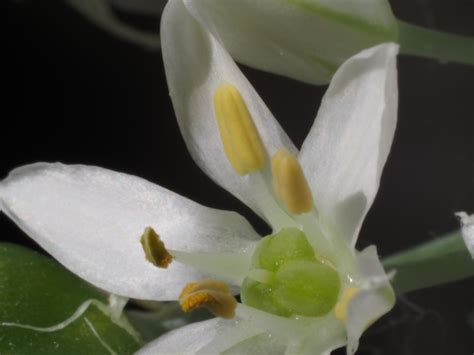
368 263
196 64
303 39
467 230
208 337
346 149
91 220
374 300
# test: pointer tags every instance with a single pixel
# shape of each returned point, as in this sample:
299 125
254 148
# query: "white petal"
346 149
372 302
196 64
368 263
198 338
302 335
91 220
185 340
259 344
303 39
467 230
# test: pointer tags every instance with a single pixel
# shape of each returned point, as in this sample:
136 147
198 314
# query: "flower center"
287 279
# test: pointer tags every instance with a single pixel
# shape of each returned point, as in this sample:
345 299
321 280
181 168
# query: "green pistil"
287 245
300 283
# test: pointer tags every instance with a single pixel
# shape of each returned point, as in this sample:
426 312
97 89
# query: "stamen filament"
273 212
261 275
117 304
318 240
230 266
335 246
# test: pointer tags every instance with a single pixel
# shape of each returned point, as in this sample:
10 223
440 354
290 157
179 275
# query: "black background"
75 94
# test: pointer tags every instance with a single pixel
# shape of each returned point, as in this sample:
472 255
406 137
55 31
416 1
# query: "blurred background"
76 94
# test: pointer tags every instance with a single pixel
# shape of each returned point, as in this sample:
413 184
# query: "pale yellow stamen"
340 309
240 138
154 248
211 294
289 183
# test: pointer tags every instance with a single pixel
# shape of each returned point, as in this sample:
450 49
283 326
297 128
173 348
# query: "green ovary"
299 283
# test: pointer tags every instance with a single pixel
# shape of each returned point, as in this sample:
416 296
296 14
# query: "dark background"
75 94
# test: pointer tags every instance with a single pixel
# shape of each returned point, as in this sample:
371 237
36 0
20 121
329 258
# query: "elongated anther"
154 248
211 294
289 183
340 310
240 137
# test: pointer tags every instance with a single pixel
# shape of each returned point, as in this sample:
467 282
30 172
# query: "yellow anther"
240 138
340 309
211 294
154 248
289 183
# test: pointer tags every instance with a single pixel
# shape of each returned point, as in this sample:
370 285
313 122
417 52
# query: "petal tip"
467 230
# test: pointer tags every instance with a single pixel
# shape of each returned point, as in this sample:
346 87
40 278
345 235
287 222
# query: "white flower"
305 289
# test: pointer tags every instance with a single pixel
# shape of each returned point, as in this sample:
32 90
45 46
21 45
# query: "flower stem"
442 260
446 47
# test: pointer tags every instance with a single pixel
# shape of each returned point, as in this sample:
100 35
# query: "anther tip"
289 183
211 294
155 250
239 135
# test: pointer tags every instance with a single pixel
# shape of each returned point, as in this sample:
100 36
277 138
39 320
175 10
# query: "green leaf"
38 292
442 260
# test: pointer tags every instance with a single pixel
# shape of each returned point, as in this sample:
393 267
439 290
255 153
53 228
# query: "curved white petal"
300 335
346 149
213 336
467 230
259 344
185 340
91 220
196 64
303 39
374 299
